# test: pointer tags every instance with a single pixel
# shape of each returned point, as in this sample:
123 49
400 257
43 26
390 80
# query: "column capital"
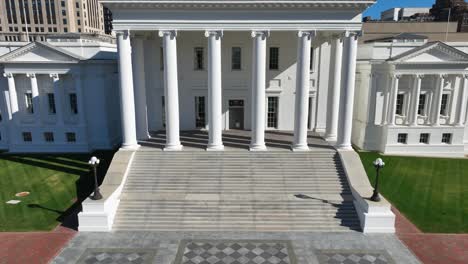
419 76
308 34
171 33
54 76
216 33
31 75
260 33
442 76
354 34
396 76
465 76
8 75
125 32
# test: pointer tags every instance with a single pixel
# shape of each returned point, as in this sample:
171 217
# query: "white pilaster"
438 100
463 101
347 92
127 101
35 97
331 130
394 93
12 94
258 90
58 98
415 98
215 115
387 94
171 90
302 91
141 114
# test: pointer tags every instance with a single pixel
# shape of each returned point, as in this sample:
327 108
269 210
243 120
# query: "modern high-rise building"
33 20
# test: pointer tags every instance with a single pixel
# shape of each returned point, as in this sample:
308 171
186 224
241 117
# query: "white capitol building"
213 65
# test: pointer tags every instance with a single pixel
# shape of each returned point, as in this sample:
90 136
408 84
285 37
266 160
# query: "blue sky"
382 5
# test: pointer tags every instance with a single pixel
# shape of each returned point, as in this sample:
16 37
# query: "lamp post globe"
378 164
94 162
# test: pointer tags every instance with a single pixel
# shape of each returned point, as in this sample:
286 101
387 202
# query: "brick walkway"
33 247
432 248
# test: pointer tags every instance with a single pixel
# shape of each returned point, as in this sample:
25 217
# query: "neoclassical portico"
216 19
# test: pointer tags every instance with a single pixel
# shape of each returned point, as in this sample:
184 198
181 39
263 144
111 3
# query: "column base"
331 138
130 147
300 147
260 147
178 147
344 147
215 148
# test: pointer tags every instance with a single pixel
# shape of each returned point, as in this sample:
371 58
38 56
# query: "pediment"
39 52
434 52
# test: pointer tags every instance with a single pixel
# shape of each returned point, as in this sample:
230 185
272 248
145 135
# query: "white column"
215 115
79 99
58 98
438 100
415 98
387 94
12 93
258 90
331 131
394 94
463 94
171 90
35 97
302 91
141 114
347 92
127 101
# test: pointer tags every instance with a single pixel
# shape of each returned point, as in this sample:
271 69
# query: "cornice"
215 4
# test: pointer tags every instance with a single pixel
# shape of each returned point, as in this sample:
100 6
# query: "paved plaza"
234 248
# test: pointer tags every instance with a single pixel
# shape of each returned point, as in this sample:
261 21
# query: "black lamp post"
378 164
94 162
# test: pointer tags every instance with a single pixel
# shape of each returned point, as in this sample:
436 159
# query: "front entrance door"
236 114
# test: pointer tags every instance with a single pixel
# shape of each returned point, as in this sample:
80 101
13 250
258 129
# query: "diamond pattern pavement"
235 252
353 257
117 255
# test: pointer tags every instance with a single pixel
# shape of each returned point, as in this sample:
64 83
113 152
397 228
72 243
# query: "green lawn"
56 182
431 192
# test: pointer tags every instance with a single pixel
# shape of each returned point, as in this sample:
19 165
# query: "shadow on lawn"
76 164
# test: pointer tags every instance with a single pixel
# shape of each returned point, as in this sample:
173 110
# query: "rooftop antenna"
448 24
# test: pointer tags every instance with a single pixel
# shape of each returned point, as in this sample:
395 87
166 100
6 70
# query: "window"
311 59
447 138
236 58
51 100
200 112
65 30
78 13
399 104
71 137
444 104
65 21
163 101
424 138
309 113
27 137
198 58
78 22
161 58
64 13
422 104
272 117
49 137
29 104
402 137
77 5
73 104
274 58
62 3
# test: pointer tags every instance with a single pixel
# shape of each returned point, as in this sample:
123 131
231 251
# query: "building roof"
401 36
45 52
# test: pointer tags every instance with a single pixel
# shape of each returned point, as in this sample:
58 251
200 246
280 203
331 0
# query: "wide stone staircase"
273 191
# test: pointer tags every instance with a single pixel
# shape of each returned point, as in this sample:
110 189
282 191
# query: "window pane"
399 104
422 104
51 100
272 117
443 105
199 58
200 112
274 58
29 104
73 104
236 58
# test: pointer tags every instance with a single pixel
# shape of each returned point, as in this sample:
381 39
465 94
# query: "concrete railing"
375 217
98 215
